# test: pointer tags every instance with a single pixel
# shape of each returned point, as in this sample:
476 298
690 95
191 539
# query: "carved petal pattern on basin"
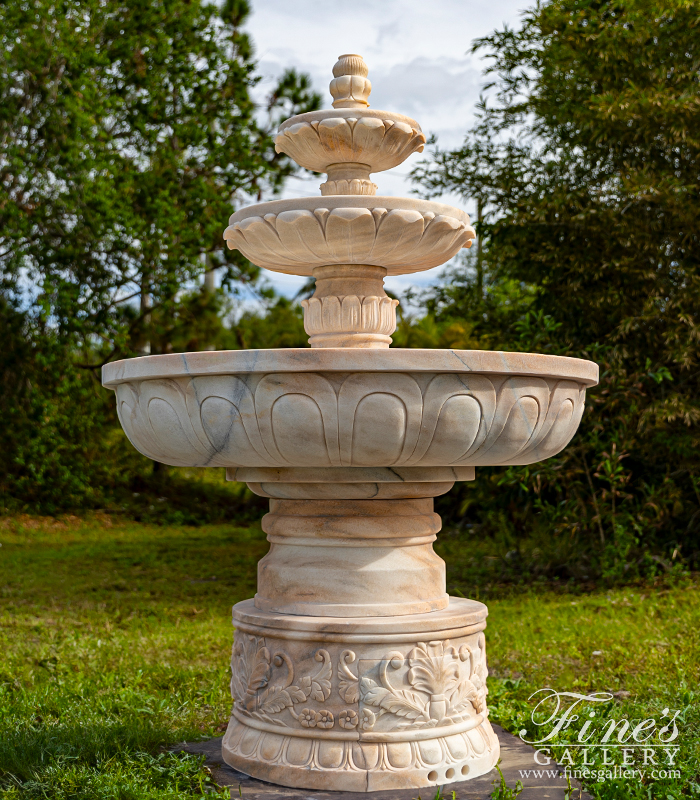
357 419
401 239
379 143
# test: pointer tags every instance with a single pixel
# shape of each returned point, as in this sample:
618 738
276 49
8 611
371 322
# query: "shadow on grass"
98 760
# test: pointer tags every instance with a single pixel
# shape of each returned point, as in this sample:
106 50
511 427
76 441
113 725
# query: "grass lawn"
115 639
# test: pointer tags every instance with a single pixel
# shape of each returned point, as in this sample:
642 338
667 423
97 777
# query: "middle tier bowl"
350 408
401 234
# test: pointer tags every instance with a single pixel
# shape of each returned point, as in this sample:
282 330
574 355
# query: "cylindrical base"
352 704
351 558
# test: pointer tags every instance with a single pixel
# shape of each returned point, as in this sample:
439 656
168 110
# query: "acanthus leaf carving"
350 314
251 668
281 699
400 702
355 186
432 670
318 686
442 691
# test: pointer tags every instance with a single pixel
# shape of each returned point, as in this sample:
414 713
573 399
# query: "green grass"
115 639
641 645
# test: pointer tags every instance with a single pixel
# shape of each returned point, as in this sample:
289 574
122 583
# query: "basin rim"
347 360
351 201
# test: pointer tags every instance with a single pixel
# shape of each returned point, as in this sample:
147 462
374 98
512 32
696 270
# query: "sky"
419 65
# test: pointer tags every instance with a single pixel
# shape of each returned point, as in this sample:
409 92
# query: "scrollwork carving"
348 684
252 668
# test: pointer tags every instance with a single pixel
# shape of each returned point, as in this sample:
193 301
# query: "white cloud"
419 64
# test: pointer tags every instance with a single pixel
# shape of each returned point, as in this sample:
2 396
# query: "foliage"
48 413
281 324
502 791
115 639
127 133
584 163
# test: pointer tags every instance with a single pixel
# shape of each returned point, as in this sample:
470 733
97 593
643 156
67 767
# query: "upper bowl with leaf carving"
296 236
379 139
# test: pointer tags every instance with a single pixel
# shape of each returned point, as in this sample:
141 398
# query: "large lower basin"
350 408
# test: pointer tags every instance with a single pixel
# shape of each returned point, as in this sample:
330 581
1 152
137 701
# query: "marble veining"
352 669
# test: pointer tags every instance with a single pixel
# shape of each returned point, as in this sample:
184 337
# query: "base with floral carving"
389 702
352 669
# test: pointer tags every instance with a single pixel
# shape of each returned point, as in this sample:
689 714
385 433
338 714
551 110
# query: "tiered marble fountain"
352 668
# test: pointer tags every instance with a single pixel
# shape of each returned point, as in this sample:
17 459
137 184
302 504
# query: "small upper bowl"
379 139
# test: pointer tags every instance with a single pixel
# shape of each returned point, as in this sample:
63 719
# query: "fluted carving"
331 315
365 419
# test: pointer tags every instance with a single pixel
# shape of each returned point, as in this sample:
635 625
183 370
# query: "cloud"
418 57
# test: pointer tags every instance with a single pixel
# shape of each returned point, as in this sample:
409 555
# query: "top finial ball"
350 87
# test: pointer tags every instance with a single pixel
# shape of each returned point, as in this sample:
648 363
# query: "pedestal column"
351 558
352 670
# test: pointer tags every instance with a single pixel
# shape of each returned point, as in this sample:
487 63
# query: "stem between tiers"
350 308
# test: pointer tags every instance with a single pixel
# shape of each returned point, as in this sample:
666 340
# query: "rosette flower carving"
367 719
324 719
307 718
348 719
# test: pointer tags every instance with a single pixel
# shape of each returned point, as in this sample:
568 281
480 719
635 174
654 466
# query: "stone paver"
515 756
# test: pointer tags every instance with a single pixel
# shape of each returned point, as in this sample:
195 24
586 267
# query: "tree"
127 134
586 156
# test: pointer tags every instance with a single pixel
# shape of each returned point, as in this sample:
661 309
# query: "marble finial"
350 87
